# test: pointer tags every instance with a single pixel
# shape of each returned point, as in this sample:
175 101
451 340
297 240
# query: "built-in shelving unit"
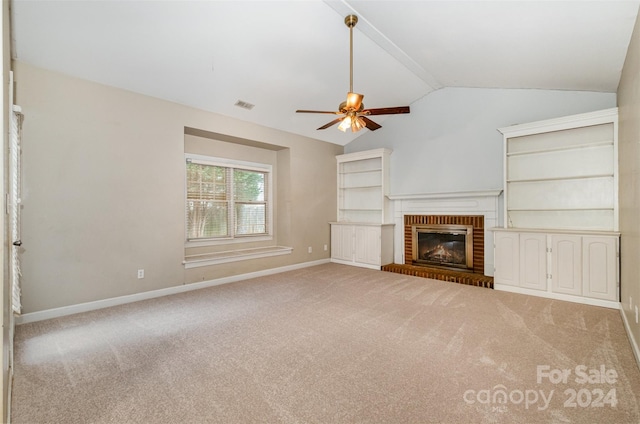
560 237
363 234
562 173
363 181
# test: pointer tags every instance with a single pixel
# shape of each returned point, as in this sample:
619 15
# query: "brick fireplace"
476 222
479 209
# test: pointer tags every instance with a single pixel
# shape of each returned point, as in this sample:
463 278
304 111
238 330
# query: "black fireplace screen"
446 246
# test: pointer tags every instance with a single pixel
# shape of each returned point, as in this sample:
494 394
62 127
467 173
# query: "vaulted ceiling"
286 55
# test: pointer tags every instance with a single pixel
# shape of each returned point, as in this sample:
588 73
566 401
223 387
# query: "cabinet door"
600 267
566 264
342 242
533 261
367 245
507 258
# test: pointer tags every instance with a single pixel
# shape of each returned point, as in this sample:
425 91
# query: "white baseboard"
613 304
121 300
632 340
358 264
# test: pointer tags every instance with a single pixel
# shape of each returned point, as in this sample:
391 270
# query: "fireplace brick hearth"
459 277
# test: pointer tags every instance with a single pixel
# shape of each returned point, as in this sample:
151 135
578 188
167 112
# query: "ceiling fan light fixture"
352 121
357 124
346 123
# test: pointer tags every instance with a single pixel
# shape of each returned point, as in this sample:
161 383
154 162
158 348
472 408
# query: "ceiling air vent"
244 105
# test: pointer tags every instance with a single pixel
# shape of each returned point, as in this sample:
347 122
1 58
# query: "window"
227 199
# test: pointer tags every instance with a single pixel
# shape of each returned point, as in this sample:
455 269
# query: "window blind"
207 201
14 207
225 201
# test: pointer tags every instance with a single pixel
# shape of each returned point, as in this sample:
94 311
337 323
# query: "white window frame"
243 165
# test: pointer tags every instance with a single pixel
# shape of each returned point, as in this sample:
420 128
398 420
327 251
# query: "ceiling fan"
354 114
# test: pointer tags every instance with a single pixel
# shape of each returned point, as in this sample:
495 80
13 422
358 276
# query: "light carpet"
330 344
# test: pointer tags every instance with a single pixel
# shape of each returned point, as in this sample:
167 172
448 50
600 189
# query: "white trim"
632 340
591 118
206 259
558 296
358 264
227 163
364 154
121 300
449 195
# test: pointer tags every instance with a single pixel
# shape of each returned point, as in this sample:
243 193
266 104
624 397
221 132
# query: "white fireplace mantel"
485 203
451 195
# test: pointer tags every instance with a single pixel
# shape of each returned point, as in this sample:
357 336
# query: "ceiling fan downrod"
351 21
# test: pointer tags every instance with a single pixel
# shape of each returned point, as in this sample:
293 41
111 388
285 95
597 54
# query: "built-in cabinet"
365 245
533 264
560 234
566 266
363 234
600 267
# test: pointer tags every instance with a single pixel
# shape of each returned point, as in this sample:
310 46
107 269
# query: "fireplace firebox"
445 246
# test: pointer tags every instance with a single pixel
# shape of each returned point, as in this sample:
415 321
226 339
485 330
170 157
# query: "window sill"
237 240
195 261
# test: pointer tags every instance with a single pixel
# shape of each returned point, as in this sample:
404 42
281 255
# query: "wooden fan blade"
370 124
386 110
318 111
335 121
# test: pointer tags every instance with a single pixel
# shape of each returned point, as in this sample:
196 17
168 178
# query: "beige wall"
103 191
629 167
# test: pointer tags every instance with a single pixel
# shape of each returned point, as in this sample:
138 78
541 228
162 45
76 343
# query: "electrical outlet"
141 273
310 249
325 247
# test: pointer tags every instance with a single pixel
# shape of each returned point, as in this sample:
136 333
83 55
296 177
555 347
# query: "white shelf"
562 148
580 220
559 209
361 187
366 171
586 177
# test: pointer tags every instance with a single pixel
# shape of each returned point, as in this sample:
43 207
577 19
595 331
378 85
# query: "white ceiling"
288 55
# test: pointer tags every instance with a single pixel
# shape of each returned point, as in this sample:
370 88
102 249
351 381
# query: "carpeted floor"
330 344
